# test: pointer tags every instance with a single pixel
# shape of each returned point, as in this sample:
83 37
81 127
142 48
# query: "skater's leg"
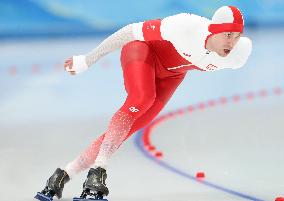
138 64
165 88
137 71
85 159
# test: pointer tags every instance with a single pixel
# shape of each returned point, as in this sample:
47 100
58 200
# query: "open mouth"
227 51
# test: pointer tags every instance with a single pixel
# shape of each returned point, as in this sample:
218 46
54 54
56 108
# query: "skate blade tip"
88 199
42 197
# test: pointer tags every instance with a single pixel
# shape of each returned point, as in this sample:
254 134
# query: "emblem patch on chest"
211 67
188 55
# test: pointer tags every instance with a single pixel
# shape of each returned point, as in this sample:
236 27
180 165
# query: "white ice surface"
48 118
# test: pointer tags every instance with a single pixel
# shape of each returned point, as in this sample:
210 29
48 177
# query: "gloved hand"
76 64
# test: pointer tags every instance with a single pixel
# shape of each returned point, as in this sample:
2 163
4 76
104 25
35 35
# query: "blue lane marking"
139 145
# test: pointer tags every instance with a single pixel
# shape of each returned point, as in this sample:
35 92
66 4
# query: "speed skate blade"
42 197
88 199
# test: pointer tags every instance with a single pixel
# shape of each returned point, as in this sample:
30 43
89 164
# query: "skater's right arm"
113 42
80 63
137 31
144 31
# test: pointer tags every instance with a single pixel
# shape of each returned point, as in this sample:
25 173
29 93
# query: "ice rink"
230 125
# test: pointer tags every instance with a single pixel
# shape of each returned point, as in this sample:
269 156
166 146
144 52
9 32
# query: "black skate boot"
94 185
54 186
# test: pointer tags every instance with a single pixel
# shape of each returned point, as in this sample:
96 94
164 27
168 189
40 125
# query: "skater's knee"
140 103
145 98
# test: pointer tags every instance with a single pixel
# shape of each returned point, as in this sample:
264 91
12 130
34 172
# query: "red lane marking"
236 98
278 91
151 148
263 93
58 66
13 70
201 105
223 100
190 109
250 95
158 154
211 103
200 175
35 68
146 138
180 111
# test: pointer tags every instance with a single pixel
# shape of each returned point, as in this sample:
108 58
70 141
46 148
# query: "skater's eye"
239 35
228 35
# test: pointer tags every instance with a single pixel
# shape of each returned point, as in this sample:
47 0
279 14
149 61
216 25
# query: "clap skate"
94 188
54 186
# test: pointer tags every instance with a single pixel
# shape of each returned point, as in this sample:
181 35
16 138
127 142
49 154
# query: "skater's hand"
76 64
68 66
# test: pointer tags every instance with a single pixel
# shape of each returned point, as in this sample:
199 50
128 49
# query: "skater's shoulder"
185 21
185 25
187 18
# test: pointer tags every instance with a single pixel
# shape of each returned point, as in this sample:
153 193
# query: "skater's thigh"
135 51
138 65
165 88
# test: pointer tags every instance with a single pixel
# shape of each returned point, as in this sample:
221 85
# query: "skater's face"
223 43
